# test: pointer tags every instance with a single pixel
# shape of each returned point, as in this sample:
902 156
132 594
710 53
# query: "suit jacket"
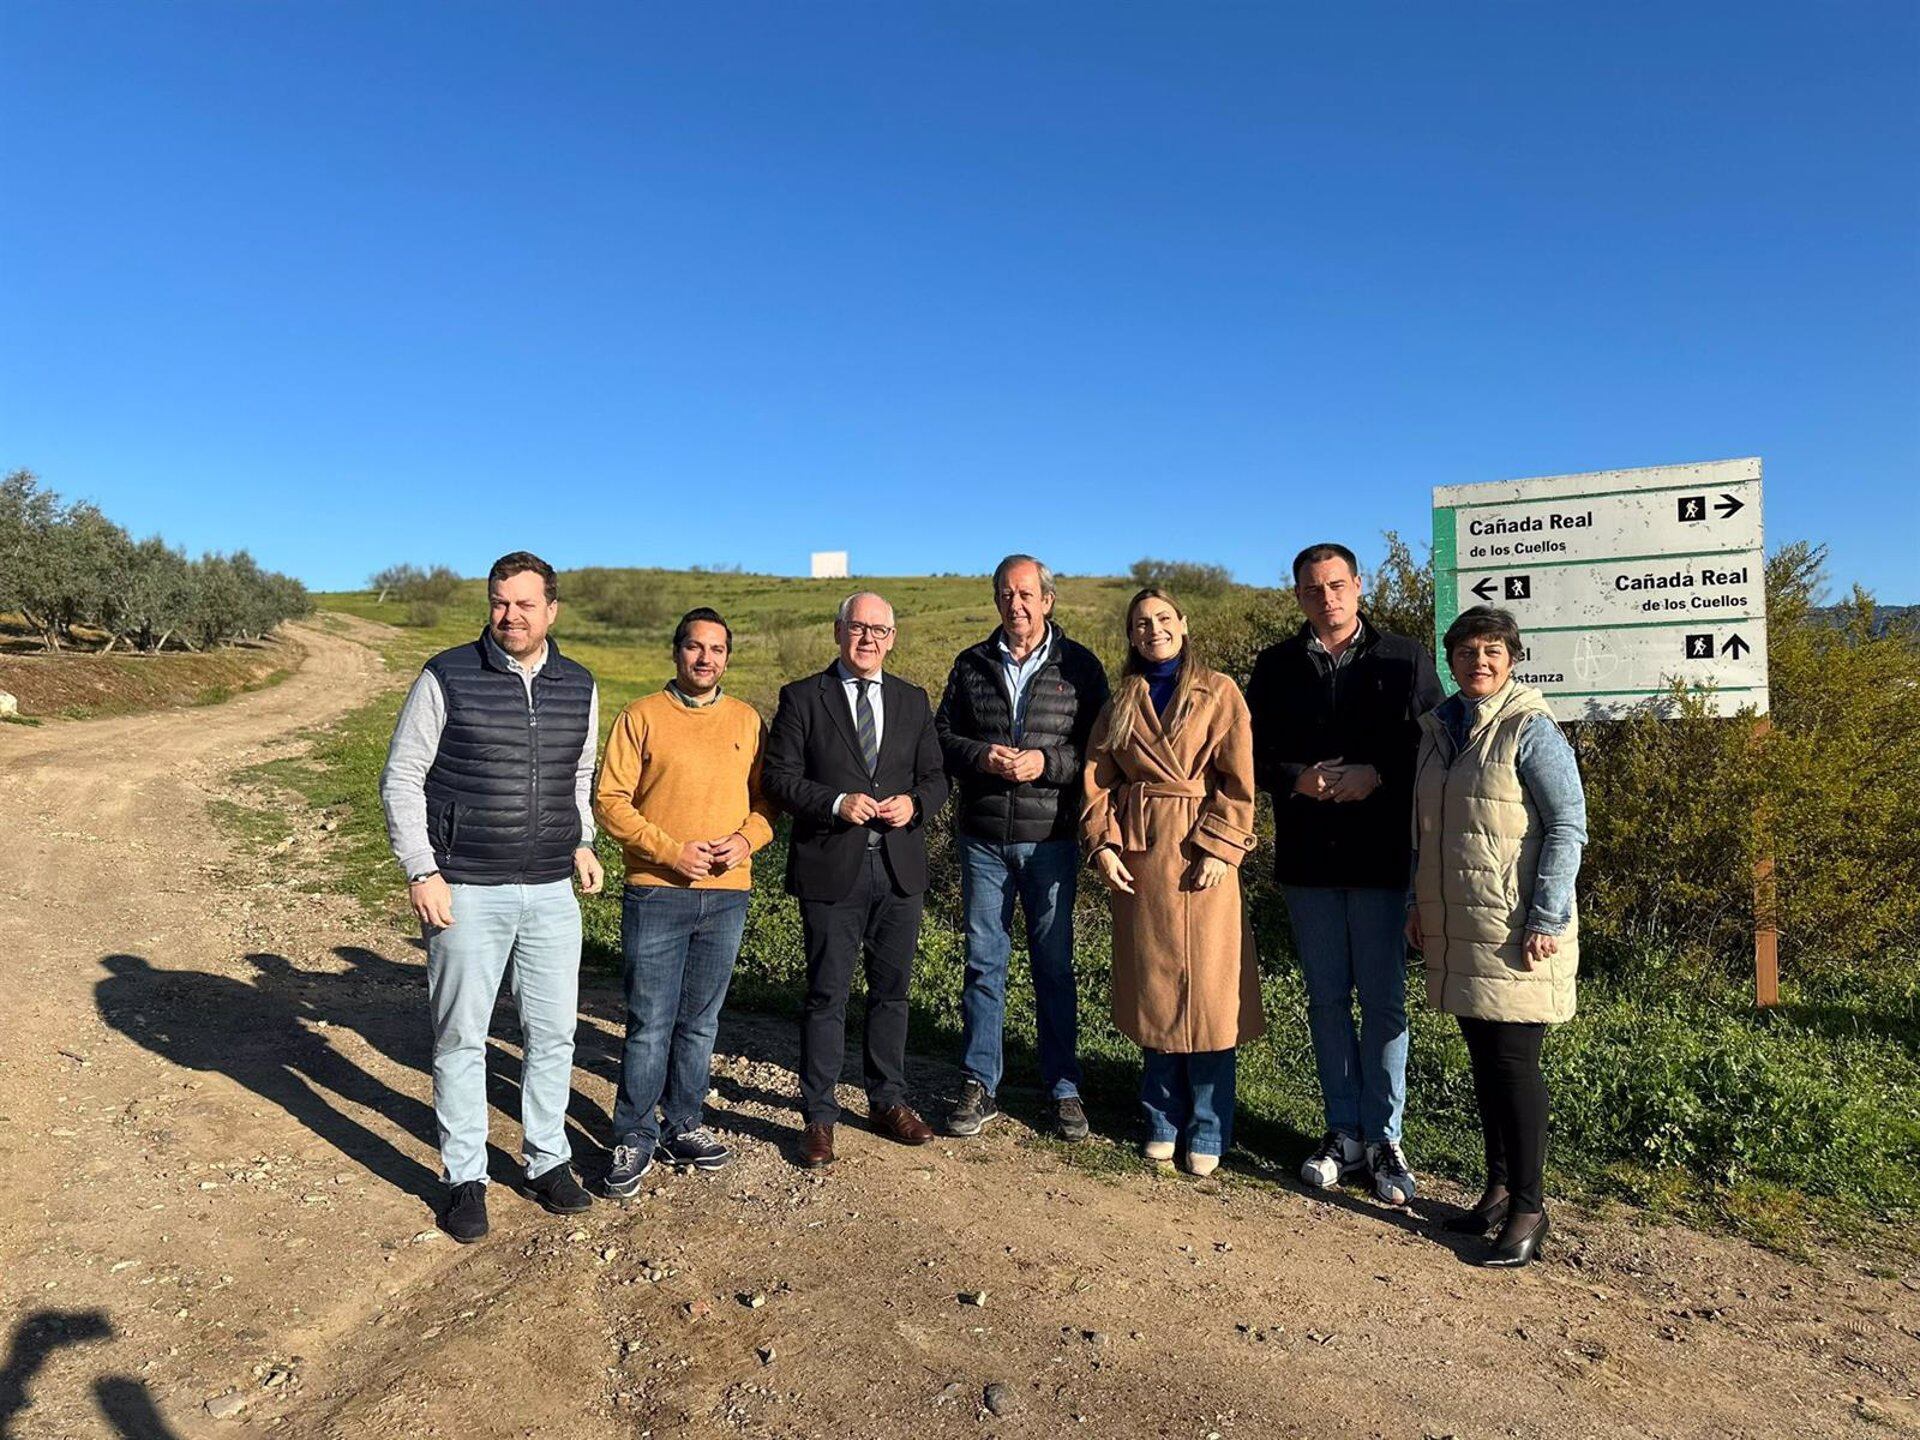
813 757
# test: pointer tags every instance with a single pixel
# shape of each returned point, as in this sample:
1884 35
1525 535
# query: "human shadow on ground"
125 1402
264 1037
396 1024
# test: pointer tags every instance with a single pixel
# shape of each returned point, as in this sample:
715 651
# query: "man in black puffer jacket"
1013 724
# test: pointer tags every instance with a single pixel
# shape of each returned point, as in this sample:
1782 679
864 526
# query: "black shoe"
1513 1250
975 1109
466 1213
695 1150
558 1192
1488 1213
1070 1118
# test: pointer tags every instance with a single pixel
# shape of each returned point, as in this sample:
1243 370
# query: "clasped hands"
894 811
1011 763
1335 780
699 859
1206 872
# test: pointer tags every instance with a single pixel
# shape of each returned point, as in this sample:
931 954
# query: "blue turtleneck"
1161 677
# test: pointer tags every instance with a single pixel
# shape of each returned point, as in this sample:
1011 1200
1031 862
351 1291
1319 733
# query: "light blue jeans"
1190 1098
1041 875
1354 941
536 930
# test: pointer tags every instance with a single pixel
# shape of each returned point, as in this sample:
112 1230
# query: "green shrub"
1679 808
423 614
1183 578
632 601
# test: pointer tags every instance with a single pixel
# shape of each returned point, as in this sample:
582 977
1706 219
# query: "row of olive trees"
65 567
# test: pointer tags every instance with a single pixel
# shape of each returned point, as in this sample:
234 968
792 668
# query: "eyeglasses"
877 632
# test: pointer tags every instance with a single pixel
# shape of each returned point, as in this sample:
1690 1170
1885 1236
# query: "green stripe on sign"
1446 586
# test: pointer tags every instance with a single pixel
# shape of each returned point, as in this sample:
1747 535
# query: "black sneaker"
466 1214
630 1166
695 1150
1070 1118
1339 1155
975 1109
558 1192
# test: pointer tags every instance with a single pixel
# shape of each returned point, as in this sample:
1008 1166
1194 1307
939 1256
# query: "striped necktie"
863 722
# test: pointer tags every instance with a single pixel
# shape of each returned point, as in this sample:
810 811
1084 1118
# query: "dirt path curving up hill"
216 1165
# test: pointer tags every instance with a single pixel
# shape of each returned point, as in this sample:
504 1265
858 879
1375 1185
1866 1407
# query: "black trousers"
1512 1092
878 924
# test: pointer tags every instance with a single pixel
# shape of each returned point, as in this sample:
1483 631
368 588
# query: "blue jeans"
1355 940
537 929
679 948
1042 876
1189 1097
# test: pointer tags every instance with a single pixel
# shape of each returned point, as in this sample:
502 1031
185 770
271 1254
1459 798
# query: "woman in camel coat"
1168 819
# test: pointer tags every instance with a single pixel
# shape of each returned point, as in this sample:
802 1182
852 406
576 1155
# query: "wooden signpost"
1624 582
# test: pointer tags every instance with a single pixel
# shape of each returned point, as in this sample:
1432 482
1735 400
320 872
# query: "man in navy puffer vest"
488 793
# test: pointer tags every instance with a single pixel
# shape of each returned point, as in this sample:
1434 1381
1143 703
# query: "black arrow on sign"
1733 645
1728 505
1486 588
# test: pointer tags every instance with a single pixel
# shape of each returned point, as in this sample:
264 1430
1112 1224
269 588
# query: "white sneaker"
1200 1164
1339 1155
1159 1151
1393 1181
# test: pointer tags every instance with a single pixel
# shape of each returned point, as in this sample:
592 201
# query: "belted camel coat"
1185 975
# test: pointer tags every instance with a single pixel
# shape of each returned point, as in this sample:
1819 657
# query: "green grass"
1670 1091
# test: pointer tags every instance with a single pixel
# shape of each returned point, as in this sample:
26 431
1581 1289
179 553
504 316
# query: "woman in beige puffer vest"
1498 822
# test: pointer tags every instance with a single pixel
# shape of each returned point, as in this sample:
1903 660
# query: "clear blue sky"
673 284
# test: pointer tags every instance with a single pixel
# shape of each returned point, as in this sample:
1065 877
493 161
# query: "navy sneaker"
1393 1178
695 1150
466 1216
630 1166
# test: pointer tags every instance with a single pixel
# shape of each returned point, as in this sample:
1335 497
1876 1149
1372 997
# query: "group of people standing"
1401 816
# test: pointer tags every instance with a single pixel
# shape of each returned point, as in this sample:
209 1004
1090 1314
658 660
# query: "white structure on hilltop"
829 564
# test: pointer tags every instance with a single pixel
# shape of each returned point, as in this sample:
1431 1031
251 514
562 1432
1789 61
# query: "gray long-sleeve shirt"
416 743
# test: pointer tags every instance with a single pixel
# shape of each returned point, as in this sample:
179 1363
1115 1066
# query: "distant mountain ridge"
1885 617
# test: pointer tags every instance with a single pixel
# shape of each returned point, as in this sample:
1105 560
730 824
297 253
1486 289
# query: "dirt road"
216 1166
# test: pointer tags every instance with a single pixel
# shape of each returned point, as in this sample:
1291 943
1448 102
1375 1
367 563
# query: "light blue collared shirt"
1019 676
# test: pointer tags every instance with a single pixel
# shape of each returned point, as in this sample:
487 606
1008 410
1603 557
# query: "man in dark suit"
852 754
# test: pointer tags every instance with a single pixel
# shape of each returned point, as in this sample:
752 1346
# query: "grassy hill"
783 627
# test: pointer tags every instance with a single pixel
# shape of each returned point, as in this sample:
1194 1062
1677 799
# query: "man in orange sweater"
680 790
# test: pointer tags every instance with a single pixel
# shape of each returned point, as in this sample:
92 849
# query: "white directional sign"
1623 581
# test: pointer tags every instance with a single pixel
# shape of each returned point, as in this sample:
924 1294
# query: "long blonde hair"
1133 678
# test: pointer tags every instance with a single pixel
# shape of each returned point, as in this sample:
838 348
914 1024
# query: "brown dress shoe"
903 1124
816 1146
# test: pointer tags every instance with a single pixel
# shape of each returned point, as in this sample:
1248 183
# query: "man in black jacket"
1335 730
852 755
1014 723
